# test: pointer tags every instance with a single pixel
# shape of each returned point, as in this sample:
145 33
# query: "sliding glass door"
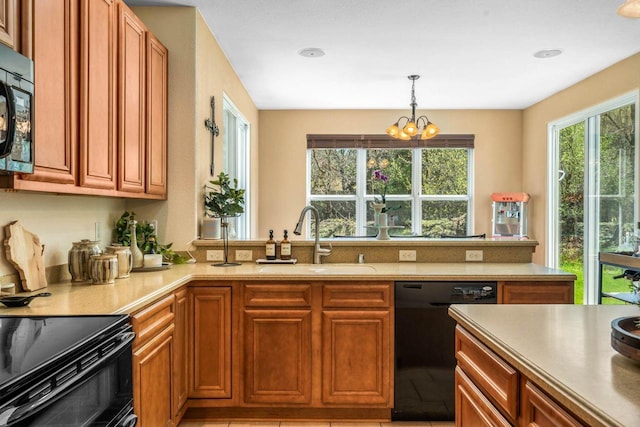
593 192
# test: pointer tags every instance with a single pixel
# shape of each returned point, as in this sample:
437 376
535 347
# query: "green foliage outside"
444 173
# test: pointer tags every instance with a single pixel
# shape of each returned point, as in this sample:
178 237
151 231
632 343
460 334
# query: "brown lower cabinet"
309 349
153 356
181 346
490 392
210 342
300 345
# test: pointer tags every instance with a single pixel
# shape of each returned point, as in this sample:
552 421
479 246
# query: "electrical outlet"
473 256
406 255
215 255
244 255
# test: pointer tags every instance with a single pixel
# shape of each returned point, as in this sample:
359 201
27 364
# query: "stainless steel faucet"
317 250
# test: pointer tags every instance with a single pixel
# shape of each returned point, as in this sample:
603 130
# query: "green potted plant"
222 199
144 231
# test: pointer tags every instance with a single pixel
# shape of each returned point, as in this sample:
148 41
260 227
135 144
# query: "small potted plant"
222 199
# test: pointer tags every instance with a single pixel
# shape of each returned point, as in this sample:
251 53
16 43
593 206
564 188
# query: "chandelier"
413 125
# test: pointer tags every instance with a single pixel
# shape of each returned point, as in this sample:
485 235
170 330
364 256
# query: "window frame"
361 143
236 160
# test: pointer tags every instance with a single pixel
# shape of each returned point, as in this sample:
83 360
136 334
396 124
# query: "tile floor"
317 424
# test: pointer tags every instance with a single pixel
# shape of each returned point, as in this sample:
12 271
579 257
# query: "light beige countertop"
566 351
131 294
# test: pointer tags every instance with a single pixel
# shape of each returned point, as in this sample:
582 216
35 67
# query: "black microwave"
16 112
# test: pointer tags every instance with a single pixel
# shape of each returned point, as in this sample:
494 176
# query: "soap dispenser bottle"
270 247
285 247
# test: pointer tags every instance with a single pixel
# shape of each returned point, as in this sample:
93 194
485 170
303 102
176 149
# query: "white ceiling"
471 54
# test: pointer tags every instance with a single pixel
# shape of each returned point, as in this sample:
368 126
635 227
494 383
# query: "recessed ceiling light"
311 52
547 53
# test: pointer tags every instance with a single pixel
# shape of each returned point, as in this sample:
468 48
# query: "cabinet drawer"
497 379
535 293
538 409
472 408
357 294
290 295
151 320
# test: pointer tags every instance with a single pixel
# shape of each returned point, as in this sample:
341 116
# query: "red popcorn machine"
510 214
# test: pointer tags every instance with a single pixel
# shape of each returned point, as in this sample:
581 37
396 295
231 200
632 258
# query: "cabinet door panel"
180 368
277 356
8 23
131 105
157 107
97 94
55 53
152 400
356 353
211 370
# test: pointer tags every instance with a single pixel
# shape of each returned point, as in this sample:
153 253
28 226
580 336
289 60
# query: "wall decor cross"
213 128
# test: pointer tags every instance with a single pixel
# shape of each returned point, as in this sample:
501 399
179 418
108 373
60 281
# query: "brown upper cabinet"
157 107
100 101
9 19
131 100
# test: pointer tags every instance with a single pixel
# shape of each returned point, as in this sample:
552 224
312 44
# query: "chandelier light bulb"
410 128
430 130
393 130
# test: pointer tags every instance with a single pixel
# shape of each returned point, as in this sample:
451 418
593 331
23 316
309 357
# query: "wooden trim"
196 412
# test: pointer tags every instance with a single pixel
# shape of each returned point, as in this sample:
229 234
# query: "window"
235 148
428 192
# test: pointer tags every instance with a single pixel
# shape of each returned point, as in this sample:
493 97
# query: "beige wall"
176 28
282 167
215 78
198 69
58 221
610 83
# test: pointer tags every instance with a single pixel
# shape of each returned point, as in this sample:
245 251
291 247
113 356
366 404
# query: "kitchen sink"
318 269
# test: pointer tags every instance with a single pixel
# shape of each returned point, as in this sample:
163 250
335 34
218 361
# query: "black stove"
45 358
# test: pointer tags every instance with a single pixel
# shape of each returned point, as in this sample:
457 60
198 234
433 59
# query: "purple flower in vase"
379 177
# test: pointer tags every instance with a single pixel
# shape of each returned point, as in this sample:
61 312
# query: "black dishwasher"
425 347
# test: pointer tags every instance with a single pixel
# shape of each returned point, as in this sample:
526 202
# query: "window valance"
385 141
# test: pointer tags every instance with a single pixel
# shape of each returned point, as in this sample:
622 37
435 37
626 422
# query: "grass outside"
609 284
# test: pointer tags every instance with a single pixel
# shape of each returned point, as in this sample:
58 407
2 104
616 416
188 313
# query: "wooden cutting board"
25 252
